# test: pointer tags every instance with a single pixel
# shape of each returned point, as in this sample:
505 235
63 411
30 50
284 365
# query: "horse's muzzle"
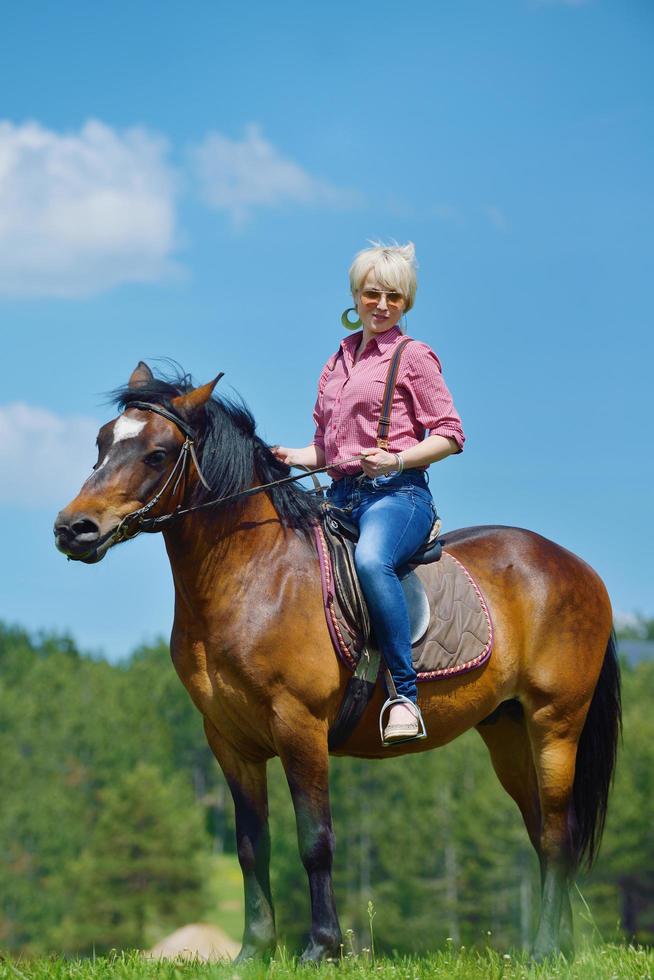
77 536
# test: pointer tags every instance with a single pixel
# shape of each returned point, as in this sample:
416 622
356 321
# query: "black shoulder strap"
384 423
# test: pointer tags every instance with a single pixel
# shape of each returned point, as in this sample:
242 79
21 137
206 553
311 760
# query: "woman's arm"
311 456
430 450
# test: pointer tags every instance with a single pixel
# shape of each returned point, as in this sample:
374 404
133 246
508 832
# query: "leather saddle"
341 535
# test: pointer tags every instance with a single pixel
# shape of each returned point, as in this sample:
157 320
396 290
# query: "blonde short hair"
393 265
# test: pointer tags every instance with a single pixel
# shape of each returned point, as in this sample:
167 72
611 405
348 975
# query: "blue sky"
192 181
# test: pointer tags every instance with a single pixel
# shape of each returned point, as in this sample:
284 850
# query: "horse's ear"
189 403
141 375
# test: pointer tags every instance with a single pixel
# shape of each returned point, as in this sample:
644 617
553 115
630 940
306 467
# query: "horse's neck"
217 571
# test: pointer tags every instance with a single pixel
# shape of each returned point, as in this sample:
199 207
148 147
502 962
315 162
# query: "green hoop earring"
347 323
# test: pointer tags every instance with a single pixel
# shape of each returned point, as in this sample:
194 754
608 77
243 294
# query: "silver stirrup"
401 699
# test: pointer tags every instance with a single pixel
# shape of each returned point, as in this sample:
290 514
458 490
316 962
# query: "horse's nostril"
85 527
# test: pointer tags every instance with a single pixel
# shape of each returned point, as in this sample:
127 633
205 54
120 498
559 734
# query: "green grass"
601 963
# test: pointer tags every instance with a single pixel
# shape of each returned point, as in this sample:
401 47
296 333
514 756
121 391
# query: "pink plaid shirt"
350 396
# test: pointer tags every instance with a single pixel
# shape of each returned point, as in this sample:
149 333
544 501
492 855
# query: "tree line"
111 806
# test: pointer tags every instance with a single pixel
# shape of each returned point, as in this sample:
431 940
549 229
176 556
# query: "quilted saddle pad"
459 636
460 632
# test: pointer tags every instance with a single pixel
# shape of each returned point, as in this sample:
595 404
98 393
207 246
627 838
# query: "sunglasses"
371 297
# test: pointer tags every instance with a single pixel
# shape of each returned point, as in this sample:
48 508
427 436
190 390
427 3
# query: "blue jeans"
395 514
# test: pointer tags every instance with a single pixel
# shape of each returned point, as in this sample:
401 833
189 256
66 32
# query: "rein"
137 522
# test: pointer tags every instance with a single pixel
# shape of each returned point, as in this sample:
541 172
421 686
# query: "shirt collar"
383 340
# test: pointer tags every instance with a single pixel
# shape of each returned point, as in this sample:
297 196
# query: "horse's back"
497 548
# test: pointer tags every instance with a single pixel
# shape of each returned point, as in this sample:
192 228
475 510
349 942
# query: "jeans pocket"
424 502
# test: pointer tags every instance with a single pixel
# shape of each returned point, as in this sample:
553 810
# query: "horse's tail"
596 756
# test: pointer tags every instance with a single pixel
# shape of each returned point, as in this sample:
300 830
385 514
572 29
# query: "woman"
384 490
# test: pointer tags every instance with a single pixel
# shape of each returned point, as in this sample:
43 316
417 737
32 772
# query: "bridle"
137 522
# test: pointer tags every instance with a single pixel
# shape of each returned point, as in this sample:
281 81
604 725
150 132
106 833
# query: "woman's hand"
283 454
309 456
377 462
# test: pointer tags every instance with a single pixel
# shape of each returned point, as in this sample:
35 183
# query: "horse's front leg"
306 764
248 784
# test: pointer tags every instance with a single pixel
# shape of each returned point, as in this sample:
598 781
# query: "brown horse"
250 644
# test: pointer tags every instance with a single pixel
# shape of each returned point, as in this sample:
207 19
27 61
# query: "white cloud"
82 212
447 212
238 176
44 458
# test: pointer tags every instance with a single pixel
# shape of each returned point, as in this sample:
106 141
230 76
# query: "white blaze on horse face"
126 428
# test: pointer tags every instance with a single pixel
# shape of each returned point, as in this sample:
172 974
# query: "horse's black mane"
230 452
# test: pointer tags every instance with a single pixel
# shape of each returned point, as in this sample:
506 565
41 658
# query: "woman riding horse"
390 501
251 645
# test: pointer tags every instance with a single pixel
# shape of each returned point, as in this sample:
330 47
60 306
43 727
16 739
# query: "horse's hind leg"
306 764
507 740
536 767
555 750
248 784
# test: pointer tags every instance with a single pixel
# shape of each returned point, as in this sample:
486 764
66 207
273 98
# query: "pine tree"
141 873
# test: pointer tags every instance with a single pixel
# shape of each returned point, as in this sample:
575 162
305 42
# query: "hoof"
254 951
319 950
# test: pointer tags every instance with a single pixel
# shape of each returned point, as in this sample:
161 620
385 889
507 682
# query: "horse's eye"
155 458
